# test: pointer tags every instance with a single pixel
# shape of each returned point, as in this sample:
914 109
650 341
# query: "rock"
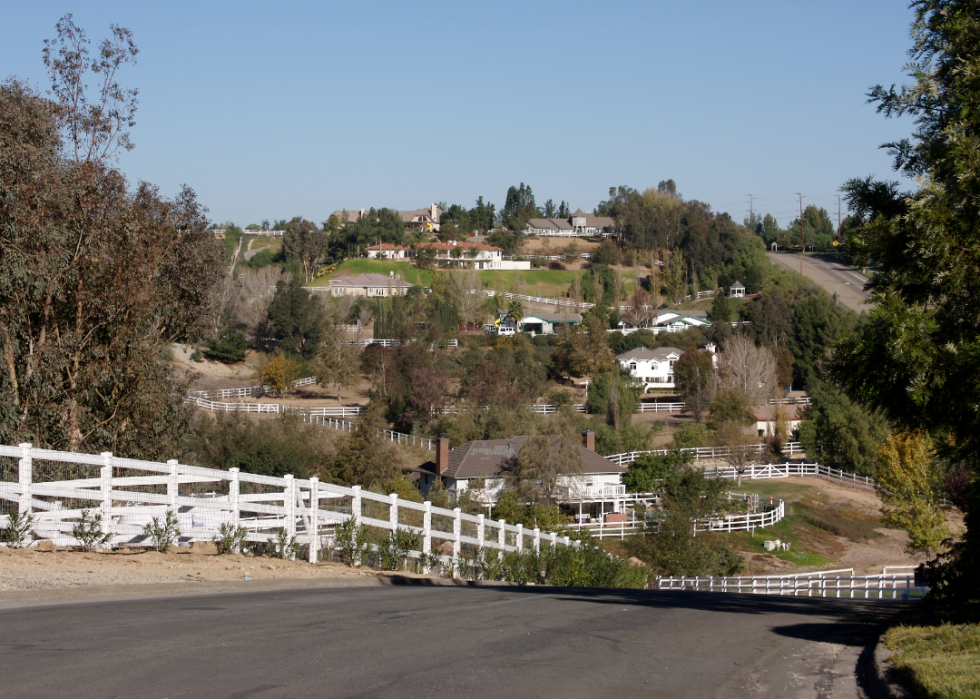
46 545
208 548
633 562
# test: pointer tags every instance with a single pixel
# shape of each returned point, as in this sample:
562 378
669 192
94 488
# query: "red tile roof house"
597 490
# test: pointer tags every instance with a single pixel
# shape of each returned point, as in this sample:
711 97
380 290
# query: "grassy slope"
939 659
535 282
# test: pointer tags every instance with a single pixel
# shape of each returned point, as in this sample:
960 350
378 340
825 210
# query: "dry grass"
842 521
938 661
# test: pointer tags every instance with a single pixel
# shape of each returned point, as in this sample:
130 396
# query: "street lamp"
837 291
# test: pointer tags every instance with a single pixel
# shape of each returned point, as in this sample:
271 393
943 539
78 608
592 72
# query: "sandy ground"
52 568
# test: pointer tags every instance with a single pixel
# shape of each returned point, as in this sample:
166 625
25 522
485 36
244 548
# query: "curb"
882 683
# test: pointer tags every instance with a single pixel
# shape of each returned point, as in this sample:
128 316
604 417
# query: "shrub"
351 542
229 346
691 435
163 535
231 539
556 265
18 529
284 545
88 532
395 549
196 355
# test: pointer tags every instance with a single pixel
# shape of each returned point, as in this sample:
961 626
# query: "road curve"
831 276
439 642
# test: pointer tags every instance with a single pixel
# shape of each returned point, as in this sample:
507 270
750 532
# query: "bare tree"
338 362
465 288
641 310
749 368
250 298
543 462
739 444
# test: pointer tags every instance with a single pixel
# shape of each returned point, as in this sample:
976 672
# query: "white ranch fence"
729 523
57 487
389 435
829 583
703 453
247 391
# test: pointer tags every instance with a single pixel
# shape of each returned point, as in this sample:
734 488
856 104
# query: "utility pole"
751 215
838 220
802 235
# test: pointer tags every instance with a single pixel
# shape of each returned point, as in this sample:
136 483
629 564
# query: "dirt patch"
31 569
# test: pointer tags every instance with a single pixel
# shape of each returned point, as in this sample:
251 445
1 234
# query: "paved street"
418 641
832 276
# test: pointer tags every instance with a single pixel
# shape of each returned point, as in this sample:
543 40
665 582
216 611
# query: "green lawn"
790 529
263 241
536 282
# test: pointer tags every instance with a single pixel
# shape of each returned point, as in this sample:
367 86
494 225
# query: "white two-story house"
653 368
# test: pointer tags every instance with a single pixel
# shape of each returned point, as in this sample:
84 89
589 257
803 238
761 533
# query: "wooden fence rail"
203 499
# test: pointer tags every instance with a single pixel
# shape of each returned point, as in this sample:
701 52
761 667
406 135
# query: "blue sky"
273 110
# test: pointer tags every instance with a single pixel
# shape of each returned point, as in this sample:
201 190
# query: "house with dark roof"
578 225
481 466
370 284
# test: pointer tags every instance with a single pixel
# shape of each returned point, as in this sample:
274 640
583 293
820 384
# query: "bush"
393 551
691 435
231 539
18 530
647 474
284 545
556 265
196 355
351 542
229 346
88 532
163 535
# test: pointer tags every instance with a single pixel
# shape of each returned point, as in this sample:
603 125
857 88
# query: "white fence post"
426 531
24 478
105 488
480 534
172 486
520 538
502 536
314 532
355 504
393 512
457 533
537 540
289 507
233 490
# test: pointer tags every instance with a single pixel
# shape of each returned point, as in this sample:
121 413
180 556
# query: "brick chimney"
588 440
442 454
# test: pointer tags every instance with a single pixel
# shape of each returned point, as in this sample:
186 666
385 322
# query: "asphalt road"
832 276
439 642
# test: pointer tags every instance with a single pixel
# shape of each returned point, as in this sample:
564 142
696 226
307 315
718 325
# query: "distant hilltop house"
677 320
453 253
481 467
578 225
426 219
370 285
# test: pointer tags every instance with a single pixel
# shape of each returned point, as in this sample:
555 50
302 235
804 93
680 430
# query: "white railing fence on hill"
703 453
827 583
246 391
389 435
56 487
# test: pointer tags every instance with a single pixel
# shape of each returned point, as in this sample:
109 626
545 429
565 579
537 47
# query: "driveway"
418 641
831 276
